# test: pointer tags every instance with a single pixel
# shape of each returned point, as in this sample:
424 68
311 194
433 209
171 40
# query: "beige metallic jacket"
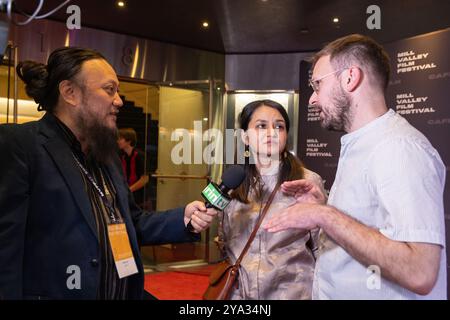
277 265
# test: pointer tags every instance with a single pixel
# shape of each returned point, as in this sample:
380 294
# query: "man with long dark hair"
69 226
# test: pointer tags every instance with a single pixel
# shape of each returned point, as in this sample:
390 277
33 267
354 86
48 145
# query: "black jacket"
46 222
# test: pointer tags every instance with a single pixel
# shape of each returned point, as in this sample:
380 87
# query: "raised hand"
305 191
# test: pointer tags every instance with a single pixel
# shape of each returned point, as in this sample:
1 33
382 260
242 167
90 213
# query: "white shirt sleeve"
408 176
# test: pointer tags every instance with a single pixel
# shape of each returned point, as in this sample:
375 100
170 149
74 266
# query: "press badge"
120 245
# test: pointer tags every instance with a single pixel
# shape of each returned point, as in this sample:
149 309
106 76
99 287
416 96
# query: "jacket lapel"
61 154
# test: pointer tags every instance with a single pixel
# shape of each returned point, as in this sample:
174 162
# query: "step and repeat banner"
419 90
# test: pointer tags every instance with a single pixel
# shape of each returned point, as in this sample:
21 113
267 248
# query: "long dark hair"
42 81
291 167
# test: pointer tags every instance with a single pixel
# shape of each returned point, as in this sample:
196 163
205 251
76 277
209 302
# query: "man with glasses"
383 230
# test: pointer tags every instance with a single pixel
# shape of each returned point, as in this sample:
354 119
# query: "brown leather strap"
258 224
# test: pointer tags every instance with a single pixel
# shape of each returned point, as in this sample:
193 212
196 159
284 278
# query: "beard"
339 116
101 140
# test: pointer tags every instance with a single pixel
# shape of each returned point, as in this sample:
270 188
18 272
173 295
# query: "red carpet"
200 270
186 284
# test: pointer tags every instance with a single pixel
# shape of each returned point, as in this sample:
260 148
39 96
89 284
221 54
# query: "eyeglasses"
314 84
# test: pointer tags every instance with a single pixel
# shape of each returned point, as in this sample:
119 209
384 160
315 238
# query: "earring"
285 154
247 152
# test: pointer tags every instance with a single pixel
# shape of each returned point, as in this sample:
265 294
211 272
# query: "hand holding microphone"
216 198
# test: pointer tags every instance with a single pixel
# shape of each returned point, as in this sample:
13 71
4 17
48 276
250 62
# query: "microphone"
216 196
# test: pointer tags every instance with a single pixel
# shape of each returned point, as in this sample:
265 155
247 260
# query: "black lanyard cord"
107 202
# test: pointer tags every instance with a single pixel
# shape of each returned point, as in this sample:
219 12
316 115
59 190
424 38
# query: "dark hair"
129 134
291 167
358 48
42 81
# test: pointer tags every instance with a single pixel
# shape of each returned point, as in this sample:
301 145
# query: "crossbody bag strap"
258 224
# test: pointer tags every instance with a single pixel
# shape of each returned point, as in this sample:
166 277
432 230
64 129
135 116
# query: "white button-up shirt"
390 178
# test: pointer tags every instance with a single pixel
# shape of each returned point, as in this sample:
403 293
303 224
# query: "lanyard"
106 201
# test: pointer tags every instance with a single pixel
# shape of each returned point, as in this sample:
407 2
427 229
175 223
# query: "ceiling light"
205 24
121 4
335 20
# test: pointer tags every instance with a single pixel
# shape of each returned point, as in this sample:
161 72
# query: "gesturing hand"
304 191
298 216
